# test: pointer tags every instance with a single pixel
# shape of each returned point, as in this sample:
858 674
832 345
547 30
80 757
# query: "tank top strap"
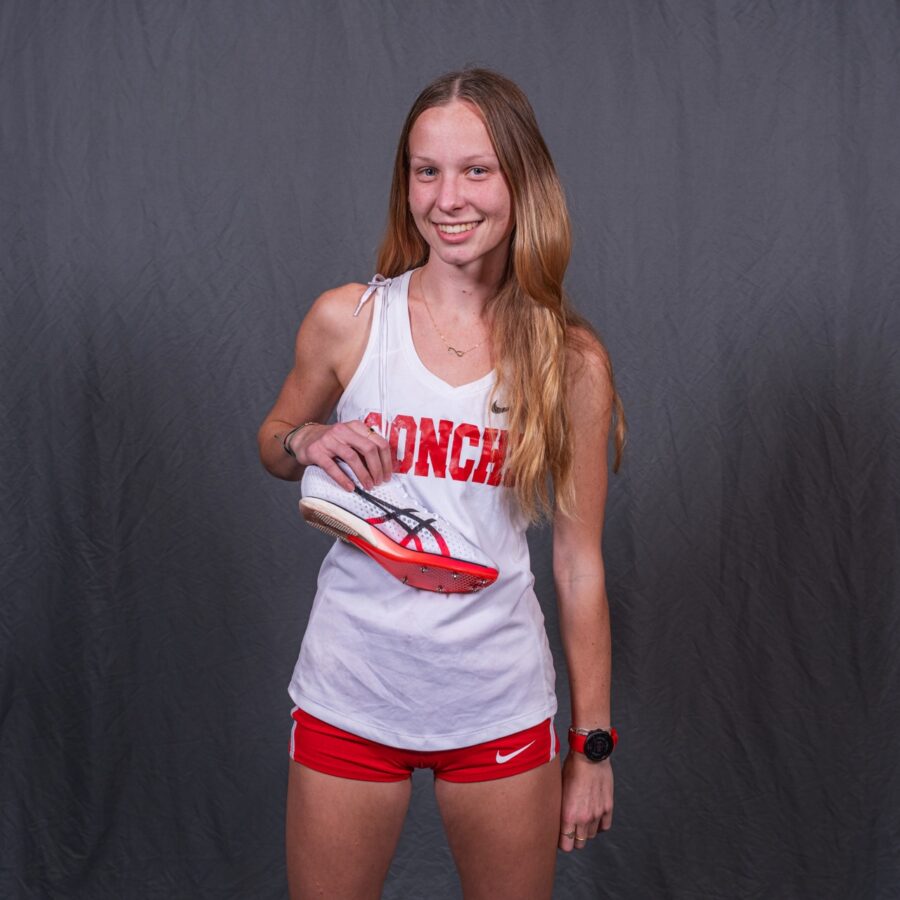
396 310
389 305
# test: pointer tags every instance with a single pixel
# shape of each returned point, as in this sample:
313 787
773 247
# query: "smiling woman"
460 389
459 199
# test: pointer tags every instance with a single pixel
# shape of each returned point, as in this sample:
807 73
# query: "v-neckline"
413 355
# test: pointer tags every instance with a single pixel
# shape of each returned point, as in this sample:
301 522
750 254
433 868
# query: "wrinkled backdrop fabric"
180 180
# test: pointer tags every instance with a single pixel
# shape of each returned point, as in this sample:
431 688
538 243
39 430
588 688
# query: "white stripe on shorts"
293 729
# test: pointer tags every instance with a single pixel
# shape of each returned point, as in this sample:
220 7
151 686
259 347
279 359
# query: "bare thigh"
503 834
341 834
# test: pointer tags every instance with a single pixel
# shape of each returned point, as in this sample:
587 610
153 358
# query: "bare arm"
328 348
581 592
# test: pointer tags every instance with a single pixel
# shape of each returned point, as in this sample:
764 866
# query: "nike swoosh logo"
502 759
498 409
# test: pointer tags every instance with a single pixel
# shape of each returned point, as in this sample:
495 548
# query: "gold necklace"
450 348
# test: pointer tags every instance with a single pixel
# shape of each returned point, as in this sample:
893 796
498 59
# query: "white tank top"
410 668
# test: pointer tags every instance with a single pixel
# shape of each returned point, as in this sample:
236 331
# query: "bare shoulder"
332 311
331 333
588 367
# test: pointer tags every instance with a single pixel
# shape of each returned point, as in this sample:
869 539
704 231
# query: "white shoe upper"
403 515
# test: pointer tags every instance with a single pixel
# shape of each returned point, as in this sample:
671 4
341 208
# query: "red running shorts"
327 749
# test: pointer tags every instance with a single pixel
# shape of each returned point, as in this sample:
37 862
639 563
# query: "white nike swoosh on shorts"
502 759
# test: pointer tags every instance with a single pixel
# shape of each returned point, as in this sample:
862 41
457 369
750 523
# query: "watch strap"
578 737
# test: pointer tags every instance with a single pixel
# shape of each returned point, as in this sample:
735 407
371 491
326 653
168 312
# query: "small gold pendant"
457 352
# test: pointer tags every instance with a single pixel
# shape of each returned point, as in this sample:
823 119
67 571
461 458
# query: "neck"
466 289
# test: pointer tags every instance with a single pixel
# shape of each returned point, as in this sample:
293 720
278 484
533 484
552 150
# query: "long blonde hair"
533 325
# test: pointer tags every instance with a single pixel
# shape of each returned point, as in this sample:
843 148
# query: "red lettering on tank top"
463 433
474 456
493 453
433 448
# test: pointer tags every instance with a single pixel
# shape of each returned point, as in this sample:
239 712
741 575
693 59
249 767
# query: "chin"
462 256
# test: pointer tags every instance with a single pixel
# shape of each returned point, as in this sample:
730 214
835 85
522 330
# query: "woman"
466 362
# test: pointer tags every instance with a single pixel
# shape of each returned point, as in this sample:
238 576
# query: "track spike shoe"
416 546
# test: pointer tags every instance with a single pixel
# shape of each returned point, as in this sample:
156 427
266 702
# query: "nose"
450 196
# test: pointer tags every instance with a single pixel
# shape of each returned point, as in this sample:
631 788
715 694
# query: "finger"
384 455
331 468
566 837
357 463
606 820
384 450
354 445
362 437
377 453
371 454
354 450
326 453
356 435
580 839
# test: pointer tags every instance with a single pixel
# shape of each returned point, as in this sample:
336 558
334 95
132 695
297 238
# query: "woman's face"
458 196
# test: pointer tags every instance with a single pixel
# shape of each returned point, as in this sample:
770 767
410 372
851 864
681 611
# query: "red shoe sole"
425 571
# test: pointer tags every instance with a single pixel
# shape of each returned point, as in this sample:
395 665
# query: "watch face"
598 745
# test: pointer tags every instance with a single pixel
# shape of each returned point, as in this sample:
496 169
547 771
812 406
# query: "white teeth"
457 229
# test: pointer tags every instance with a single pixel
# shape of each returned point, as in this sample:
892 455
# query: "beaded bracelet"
286 440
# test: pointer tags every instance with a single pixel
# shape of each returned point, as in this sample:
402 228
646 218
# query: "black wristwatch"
596 745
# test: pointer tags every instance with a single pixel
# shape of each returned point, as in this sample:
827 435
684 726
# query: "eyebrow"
478 157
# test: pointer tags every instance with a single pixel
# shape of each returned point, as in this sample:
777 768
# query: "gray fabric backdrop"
181 179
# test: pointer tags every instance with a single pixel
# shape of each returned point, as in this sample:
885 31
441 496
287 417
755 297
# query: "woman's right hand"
365 451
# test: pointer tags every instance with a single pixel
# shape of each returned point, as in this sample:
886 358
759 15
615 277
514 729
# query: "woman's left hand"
587 800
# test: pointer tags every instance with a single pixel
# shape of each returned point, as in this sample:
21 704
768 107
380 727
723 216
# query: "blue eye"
428 171
478 170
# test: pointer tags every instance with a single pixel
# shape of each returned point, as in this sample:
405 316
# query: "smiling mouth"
456 229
